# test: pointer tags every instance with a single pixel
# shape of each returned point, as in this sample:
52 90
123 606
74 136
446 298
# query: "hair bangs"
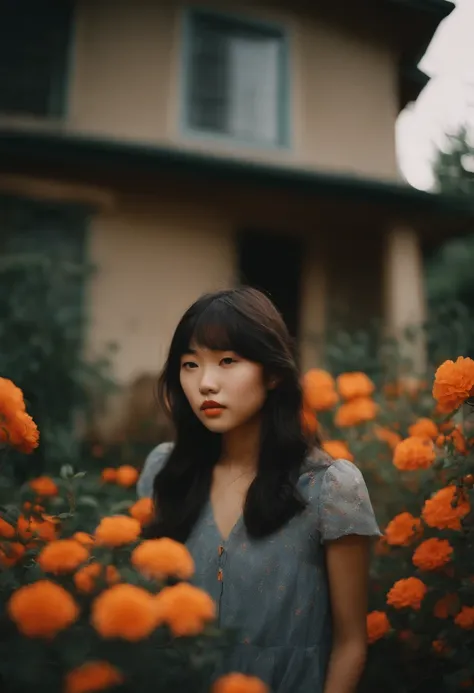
220 327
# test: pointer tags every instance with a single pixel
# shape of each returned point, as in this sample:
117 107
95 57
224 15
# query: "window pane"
33 55
234 79
253 88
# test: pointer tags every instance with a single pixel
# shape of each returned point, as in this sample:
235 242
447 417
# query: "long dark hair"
243 320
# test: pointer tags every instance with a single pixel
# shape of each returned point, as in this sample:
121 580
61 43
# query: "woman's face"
225 391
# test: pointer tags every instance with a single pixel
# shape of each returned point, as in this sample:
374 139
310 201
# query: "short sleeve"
154 463
344 503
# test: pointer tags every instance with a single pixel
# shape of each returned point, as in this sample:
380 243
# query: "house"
200 144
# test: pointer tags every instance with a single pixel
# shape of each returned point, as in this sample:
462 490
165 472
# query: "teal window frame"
60 16
253 26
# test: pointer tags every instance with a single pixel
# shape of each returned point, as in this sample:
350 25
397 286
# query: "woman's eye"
228 360
188 364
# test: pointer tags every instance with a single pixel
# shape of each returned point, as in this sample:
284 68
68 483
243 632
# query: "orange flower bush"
414 453
92 676
378 626
354 385
426 544
82 575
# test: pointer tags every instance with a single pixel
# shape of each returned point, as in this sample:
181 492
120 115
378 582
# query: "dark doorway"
273 264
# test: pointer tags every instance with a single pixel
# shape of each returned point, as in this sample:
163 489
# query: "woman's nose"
208 383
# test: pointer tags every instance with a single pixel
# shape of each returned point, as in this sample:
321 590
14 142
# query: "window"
34 45
236 79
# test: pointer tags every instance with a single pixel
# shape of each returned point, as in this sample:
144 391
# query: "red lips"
211 408
210 404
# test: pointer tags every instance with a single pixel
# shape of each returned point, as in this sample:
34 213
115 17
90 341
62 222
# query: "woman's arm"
347 561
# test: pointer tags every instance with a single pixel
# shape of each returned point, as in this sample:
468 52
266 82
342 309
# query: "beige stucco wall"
153 260
126 83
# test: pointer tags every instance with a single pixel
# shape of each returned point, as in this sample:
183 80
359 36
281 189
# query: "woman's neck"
241 446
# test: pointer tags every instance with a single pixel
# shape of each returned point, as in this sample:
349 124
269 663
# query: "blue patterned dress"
274 591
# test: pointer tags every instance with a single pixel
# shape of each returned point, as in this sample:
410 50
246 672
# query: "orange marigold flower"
162 558
309 421
124 611
127 476
84 538
338 450
32 529
10 553
387 436
6 529
446 508
23 433
91 677
424 428
414 453
62 556
403 529
11 398
319 390
439 646
142 510
355 412
432 554
239 683
465 618
42 609
459 441
454 383
378 625
117 530
44 486
184 608
352 385
446 606
109 475
408 592
86 578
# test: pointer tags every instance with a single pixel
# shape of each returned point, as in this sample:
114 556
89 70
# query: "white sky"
447 101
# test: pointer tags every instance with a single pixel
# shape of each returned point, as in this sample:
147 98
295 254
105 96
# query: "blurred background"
154 150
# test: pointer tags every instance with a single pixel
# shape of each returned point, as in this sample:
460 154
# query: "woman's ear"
273 382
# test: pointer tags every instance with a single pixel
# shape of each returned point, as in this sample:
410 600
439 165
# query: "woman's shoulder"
154 463
321 471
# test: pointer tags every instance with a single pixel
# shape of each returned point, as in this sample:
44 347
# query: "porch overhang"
132 165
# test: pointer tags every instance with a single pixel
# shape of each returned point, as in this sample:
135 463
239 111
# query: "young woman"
279 532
